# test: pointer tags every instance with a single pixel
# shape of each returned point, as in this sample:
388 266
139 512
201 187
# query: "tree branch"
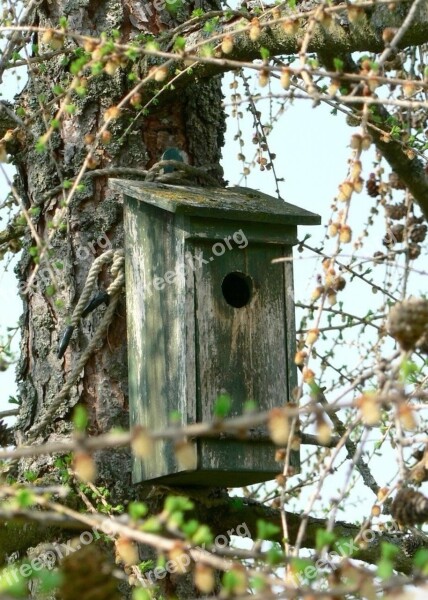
232 512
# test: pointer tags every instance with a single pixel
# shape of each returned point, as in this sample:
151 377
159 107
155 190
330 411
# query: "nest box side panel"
156 328
241 350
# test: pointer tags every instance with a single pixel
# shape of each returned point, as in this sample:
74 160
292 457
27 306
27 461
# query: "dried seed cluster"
408 324
409 507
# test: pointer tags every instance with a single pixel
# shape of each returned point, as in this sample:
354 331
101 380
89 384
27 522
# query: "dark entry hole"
236 288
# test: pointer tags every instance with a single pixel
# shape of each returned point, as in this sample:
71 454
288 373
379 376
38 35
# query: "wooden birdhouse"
209 314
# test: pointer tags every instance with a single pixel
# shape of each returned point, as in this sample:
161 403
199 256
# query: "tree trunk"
192 121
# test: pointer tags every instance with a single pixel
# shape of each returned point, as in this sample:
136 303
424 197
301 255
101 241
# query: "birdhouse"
210 314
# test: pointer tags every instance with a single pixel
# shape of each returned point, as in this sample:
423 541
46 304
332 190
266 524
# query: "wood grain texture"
193 333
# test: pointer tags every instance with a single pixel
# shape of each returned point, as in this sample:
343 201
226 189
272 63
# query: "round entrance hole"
237 288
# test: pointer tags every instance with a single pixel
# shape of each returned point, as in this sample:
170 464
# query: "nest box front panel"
240 328
241 349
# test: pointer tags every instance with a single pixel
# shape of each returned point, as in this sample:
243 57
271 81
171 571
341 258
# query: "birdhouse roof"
237 203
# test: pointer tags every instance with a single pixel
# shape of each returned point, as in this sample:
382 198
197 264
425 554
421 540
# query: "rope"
117 270
91 280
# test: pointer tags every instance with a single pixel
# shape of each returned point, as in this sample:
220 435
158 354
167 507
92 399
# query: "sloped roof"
236 203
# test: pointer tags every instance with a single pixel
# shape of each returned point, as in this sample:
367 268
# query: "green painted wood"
231 203
156 328
241 351
218 229
187 343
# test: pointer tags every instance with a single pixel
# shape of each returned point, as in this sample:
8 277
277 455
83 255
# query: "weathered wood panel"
208 313
241 351
156 328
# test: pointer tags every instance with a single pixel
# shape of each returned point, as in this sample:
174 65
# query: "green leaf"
190 528
222 406
324 538
198 12
265 54
175 417
258 583
13 582
420 560
41 145
408 369
48 580
178 503
207 50
50 291
180 44
210 25
146 565
97 68
173 6
230 581
78 64
152 525
388 550
250 406
338 64
25 498
137 510
266 530
80 418
274 556
299 565
385 569
142 594
202 536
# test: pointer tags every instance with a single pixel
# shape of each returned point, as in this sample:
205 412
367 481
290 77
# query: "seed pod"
227 44
255 30
278 426
291 26
285 78
84 466
126 551
370 409
408 322
141 442
345 234
185 453
410 507
345 191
